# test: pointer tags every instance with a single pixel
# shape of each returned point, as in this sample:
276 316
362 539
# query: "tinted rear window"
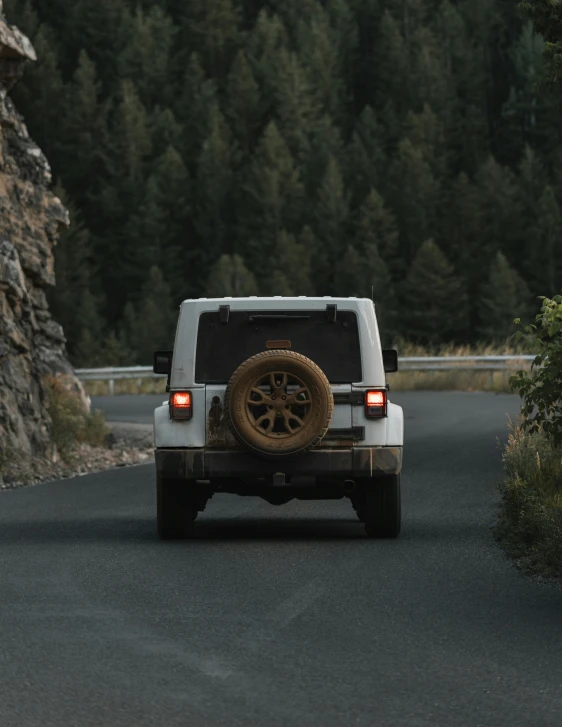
222 347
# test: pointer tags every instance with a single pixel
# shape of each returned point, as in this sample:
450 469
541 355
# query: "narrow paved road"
280 616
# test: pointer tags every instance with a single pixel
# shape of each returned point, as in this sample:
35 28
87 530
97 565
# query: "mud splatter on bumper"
205 464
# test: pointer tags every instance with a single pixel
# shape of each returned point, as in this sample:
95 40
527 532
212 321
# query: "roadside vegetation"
79 439
71 423
530 519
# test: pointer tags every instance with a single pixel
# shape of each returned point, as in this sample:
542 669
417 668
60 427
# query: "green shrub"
530 521
541 388
71 423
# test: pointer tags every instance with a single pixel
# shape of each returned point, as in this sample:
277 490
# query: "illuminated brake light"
181 406
375 403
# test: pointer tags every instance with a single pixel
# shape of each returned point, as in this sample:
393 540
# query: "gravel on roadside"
126 445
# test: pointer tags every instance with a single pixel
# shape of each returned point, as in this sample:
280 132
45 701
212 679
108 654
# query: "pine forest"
395 148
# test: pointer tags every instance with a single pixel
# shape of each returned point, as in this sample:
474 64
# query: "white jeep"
278 398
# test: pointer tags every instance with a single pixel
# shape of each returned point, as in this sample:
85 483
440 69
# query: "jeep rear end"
280 398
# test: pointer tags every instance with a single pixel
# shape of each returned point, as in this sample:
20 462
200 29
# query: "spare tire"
279 403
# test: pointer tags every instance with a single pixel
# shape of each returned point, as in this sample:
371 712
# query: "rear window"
222 347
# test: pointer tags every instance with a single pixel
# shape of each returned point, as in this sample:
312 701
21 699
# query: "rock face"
32 345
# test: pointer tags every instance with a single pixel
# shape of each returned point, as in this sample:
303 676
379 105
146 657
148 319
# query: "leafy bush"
541 388
71 423
530 521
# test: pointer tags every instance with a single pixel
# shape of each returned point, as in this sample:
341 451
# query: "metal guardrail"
412 363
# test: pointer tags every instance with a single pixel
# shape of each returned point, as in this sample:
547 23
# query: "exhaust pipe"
348 486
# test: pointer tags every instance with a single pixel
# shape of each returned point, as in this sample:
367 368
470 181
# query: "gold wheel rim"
278 405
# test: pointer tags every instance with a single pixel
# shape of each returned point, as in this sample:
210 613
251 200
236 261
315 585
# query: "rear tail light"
375 403
181 405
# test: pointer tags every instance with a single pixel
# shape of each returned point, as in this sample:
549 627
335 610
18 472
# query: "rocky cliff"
31 218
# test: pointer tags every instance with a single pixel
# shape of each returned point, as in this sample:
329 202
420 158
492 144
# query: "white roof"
258 299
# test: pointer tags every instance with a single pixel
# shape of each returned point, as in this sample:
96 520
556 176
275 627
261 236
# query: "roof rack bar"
332 310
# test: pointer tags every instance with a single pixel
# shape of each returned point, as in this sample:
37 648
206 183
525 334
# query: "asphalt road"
279 616
130 409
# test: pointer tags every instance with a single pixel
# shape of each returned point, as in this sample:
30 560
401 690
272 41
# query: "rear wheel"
379 506
177 507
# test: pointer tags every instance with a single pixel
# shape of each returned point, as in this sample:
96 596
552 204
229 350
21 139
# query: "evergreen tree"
528 190
145 59
115 240
100 27
196 104
464 246
425 131
297 104
392 67
169 191
278 284
212 213
73 271
317 47
413 193
114 353
547 258
267 39
433 299
272 199
325 143
131 137
85 125
159 229
291 264
503 297
151 326
212 29
331 219
365 158
525 114
165 131
500 215
244 103
376 227
88 352
431 82
230 277
364 274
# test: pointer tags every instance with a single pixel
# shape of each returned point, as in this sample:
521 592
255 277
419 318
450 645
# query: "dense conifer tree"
433 299
303 147
230 277
503 297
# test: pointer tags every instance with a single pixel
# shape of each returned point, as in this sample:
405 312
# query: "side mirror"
390 360
162 362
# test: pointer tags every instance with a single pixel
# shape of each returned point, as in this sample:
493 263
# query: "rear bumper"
208 464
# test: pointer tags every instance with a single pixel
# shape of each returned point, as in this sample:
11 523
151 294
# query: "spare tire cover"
279 403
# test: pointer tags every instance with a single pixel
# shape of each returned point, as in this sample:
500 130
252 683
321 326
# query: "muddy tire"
380 507
279 404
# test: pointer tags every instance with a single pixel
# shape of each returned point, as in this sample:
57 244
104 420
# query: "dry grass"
496 381
508 348
71 423
455 380
530 520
